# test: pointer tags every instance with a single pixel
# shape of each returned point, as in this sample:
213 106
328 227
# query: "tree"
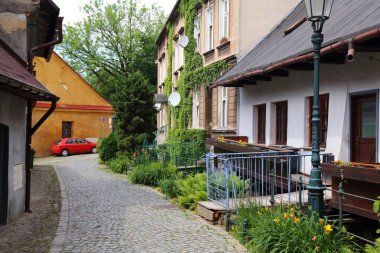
113 48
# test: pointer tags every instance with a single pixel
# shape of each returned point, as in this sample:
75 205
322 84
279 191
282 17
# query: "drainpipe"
28 149
351 52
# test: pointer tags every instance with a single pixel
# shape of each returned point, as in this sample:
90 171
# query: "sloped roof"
15 77
348 19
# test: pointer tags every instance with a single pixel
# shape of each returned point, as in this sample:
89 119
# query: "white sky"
70 9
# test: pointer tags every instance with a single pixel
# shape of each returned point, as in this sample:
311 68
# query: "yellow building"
81 111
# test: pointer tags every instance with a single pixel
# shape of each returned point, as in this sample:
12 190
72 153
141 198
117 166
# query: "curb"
60 235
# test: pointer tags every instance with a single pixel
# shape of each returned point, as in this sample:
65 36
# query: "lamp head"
318 11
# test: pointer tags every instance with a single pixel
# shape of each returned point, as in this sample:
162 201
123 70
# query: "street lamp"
318 11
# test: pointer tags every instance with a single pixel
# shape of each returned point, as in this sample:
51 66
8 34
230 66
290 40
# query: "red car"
69 146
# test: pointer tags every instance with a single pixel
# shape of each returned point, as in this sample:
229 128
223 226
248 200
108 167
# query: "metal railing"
263 177
270 179
186 156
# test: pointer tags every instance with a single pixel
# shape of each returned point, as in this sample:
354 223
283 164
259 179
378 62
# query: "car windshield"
58 142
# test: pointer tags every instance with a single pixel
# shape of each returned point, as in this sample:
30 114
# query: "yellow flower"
296 220
328 229
321 221
292 209
266 209
277 220
291 215
317 248
314 238
285 216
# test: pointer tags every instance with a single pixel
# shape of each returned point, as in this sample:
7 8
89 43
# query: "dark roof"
348 20
15 78
171 15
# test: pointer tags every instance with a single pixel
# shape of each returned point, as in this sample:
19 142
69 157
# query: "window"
281 122
72 141
209 26
196 109
261 123
223 18
223 91
197 31
178 55
80 141
324 117
162 70
66 129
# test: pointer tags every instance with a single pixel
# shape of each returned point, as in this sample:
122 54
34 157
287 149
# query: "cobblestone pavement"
34 232
107 214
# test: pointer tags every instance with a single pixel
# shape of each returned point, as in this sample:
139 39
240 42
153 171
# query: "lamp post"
318 11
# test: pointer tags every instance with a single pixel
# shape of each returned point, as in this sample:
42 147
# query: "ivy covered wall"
194 74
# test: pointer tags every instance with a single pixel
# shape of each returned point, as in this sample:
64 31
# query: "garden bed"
360 181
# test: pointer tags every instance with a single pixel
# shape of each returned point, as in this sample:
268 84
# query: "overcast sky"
70 9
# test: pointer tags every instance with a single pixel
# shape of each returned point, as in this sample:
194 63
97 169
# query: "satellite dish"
183 40
174 99
157 106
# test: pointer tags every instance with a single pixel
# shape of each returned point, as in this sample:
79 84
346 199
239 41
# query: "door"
4 151
364 128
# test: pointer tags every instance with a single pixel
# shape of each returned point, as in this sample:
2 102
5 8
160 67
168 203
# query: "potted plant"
223 40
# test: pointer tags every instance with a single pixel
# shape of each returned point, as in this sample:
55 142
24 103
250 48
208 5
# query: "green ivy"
194 74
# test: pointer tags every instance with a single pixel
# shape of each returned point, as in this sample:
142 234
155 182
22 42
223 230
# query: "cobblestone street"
108 214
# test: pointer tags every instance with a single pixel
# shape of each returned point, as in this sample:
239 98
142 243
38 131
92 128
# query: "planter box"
361 181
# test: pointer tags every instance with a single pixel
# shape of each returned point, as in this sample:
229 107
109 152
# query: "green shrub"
121 164
287 230
108 148
192 190
169 187
152 173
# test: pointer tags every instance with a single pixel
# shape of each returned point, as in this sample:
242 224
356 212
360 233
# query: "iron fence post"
271 175
207 175
340 193
300 192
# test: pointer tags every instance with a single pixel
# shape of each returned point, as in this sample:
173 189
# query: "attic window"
295 26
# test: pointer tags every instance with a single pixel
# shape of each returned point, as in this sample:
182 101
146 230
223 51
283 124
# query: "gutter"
308 56
30 104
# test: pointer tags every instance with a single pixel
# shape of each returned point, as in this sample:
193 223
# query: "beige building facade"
224 30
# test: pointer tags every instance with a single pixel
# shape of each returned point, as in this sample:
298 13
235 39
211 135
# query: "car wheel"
64 152
93 150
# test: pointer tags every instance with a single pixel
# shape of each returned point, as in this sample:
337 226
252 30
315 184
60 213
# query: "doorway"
4 152
364 128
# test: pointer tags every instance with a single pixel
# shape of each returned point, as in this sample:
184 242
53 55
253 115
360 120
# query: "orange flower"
296 220
328 229
285 216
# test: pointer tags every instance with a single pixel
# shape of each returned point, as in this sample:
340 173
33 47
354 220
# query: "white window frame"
224 12
162 70
223 107
197 31
196 108
209 38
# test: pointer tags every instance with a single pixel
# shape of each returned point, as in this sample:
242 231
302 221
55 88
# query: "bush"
287 230
169 187
192 190
152 173
108 148
121 164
